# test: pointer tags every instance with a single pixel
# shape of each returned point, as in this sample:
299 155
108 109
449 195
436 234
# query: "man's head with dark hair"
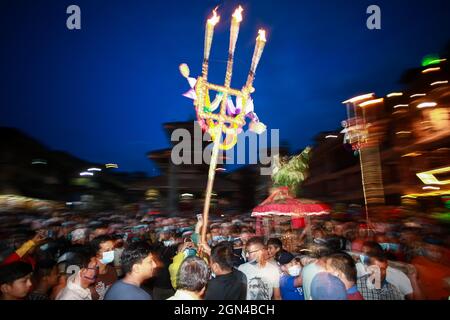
15 280
139 260
222 258
256 250
274 246
96 243
103 247
379 259
193 275
45 276
45 268
371 247
343 266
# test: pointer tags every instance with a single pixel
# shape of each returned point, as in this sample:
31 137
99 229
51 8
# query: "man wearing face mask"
376 286
77 287
291 280
398 278
103 247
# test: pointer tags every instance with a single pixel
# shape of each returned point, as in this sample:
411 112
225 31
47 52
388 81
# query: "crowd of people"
164 258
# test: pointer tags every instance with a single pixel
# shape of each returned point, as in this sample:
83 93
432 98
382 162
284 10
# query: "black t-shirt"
162 276
231 286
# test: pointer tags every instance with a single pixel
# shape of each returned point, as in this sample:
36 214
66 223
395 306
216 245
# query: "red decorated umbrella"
282 203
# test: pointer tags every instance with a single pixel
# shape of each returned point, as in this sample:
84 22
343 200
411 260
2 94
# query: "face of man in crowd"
18 289
433 252
256 252
147 267
382 265
105 247
365 250
339 230
272 250
88 275
226 231
52 278
215 232
245 236
294 263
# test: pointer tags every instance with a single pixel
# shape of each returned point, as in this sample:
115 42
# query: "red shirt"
353 294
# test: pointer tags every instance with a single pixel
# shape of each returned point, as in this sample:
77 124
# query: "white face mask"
108 257
294 271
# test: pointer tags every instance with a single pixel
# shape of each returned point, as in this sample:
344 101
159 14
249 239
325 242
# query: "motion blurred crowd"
138 257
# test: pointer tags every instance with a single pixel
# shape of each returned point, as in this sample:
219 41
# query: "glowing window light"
431 70
403 132
94 169
431 188
359 98
86 173
190 195
331 136
418 95
370 102
412 154
39 161
401 106
439 82
395 94
428 177
426 105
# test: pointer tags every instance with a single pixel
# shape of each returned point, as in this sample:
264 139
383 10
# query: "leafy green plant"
291 171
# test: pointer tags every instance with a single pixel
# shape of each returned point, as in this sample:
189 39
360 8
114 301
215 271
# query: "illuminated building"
413 132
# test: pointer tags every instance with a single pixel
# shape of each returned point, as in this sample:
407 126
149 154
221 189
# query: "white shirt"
394 276
183 295
261 280
73 290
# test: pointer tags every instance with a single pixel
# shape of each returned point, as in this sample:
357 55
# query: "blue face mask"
218 238
189 252
108 257
364 259
390 246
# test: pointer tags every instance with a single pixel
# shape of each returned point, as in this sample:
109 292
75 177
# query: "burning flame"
215 18
261 35
238 14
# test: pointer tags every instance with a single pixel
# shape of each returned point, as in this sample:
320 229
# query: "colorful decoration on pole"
230 118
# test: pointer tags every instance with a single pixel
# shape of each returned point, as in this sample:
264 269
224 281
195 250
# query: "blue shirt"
124 291
288 290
